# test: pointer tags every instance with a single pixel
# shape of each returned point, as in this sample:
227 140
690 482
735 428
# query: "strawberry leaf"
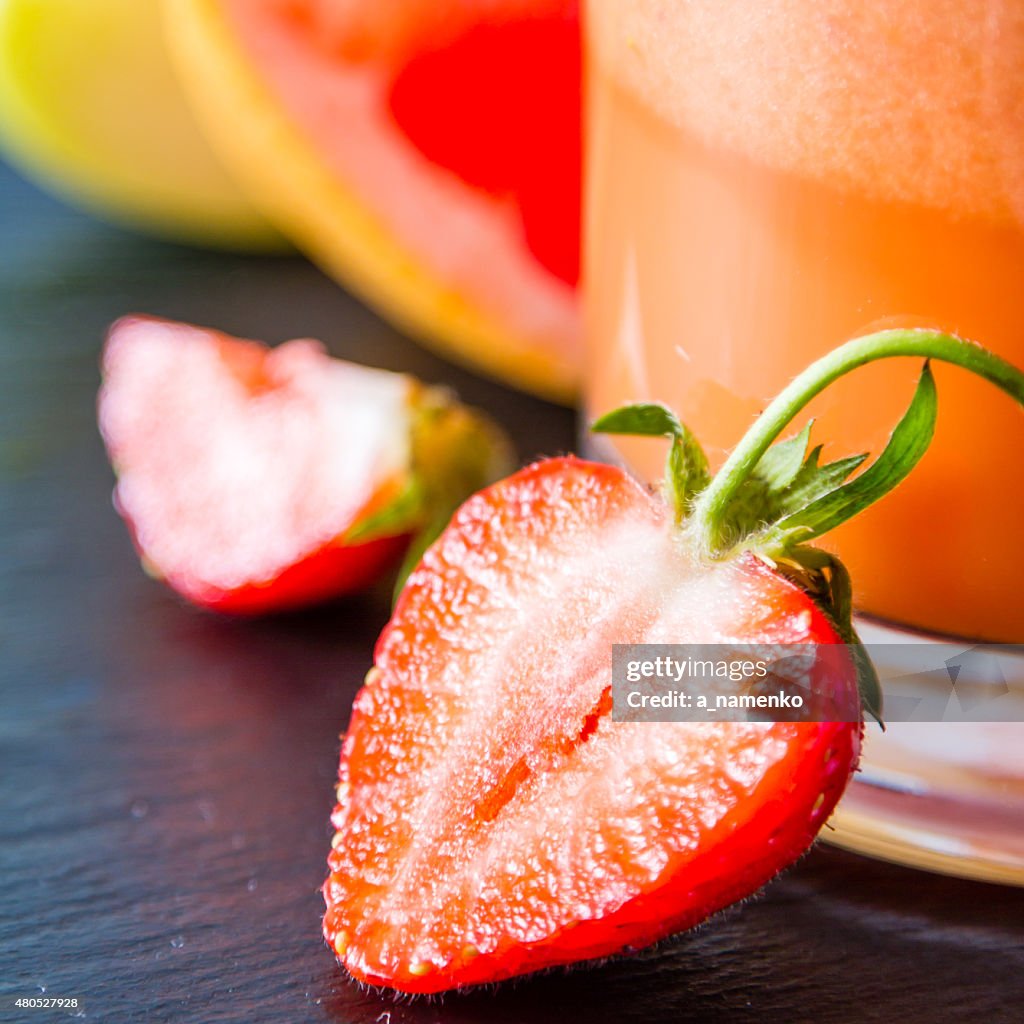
813 480
642 419
400 515
779 465
825 576
686 469
422 540
909 441
782 483
454 451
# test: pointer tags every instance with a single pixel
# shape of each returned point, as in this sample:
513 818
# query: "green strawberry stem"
710 514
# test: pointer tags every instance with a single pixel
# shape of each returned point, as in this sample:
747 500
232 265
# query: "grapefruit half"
424 152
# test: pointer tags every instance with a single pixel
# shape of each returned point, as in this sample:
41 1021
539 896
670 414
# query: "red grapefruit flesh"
517 135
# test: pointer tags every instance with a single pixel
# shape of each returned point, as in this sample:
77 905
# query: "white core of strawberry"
225 483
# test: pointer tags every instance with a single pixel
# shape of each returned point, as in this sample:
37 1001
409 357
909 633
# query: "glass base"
941 796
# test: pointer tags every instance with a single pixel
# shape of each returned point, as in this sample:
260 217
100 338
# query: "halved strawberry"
492 818
257 479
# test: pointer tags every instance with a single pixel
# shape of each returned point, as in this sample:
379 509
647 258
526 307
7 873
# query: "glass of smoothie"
766 180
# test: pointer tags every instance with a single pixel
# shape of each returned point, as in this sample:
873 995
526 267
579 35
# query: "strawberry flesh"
240 468
492 819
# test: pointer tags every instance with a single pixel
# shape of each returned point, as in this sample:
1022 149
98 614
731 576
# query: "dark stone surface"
166 776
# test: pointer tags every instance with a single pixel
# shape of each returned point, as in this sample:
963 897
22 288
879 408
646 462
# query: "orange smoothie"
768 180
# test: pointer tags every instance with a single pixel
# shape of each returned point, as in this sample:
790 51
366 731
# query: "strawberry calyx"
454 451
770 497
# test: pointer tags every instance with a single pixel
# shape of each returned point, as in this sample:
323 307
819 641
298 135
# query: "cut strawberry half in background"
425 153
492 817
257 479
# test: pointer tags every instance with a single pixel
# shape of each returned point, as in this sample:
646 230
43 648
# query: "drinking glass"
766 180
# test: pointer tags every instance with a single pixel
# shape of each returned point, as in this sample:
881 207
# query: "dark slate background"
166 777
